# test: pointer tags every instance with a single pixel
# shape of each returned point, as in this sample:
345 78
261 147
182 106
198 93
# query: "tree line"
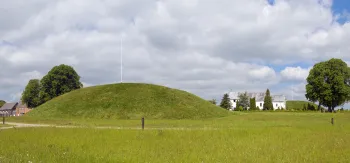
59 80
328 85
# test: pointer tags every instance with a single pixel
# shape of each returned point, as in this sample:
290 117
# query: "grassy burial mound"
128 101
299 105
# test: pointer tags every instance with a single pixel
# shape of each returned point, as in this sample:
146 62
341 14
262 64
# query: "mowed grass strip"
4 125
235 120
327 144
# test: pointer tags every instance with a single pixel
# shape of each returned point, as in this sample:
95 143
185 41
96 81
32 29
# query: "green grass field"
241 137
128 101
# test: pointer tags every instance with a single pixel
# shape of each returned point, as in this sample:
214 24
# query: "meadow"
240 137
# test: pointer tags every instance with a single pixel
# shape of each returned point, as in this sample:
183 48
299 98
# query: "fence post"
143 122
3 119
332 121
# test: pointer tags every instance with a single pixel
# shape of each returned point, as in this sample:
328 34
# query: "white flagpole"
292 91
121 60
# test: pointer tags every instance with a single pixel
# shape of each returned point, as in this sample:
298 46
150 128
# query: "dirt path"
23 125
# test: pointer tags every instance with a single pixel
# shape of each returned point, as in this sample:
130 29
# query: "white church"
278 101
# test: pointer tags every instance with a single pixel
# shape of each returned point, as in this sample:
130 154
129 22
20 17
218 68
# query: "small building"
278 101
22 109
14 109
8 109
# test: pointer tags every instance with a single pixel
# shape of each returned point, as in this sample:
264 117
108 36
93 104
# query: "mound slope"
298 105
128 101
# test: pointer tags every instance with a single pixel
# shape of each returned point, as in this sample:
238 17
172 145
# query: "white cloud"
295 73
204 47
263 73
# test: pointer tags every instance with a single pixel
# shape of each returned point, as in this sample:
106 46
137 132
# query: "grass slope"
298 105
128 101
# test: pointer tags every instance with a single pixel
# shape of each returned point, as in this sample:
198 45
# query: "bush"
240 108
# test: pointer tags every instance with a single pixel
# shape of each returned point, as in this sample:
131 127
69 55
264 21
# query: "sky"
205 47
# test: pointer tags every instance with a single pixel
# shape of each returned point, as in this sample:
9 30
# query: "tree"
253 104
328 83
243 100
30 95
225 102
59 80
267 101
2 102
213 101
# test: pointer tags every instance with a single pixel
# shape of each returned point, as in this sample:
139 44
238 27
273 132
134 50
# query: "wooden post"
3 119
143 122
332 121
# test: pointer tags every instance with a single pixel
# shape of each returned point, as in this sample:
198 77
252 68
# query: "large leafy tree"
243 100
59 80
267 101
328 83
30 95
225 102
315 88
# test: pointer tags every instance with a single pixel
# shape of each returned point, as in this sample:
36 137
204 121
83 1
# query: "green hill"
299 105
2 102
128 101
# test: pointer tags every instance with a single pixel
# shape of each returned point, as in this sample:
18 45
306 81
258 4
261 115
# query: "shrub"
240 108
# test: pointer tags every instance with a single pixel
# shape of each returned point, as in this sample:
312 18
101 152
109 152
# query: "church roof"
9 106
259 96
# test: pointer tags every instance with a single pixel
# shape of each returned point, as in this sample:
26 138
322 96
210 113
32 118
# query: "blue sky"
341 6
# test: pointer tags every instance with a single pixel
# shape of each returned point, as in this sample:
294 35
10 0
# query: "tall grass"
247 137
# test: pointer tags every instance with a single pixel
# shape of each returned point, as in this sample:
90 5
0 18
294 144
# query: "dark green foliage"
30 95
213 101
243 100
257 108
225 102
239 108
2 102
268 101
252 104
311 107
128 101
329 83
59 80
